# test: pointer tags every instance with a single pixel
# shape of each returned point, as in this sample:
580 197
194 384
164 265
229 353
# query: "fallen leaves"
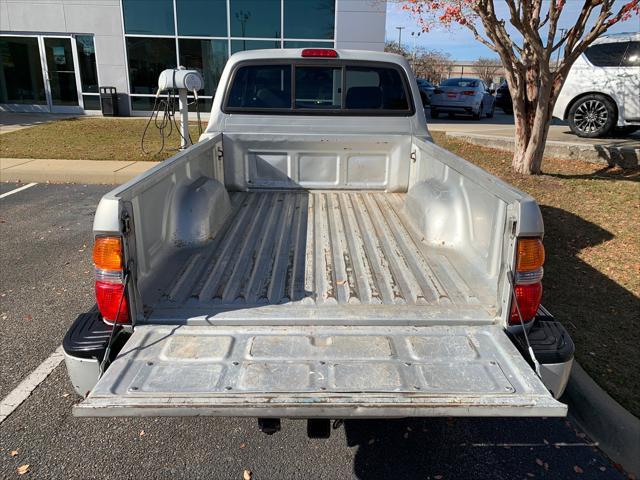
13 453
247 474
577 469
242 445
142 433
22 469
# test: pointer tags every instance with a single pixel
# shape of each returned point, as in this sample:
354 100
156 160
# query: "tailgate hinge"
126 223
413 156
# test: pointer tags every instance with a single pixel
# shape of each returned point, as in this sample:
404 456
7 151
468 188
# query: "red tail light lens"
108 298
468 92
529 297
319 52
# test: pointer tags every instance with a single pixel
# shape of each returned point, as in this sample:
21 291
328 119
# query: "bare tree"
487 69
534 81
394 47
433 65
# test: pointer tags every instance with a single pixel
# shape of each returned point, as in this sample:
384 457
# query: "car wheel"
434 113
491 112
476 116
592 116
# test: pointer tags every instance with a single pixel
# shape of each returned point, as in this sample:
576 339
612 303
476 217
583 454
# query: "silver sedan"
467 96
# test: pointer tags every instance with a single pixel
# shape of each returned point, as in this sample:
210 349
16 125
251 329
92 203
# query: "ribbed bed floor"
316 248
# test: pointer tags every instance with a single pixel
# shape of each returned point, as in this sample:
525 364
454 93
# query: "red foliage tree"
534 82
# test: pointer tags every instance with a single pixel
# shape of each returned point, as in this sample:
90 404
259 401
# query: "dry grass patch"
90 139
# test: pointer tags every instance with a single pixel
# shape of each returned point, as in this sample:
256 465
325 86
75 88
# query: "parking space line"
28 385
19 189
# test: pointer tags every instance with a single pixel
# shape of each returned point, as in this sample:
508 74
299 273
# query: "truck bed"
347 253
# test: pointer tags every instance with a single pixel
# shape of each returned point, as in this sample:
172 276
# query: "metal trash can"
109 101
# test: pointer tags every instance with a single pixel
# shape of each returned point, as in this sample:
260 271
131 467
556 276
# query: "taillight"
529 272
319 52
109 297
109 276
468 92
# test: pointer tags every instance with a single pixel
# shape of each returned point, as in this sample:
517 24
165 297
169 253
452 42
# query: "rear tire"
492 111
592 116
434 113
476 116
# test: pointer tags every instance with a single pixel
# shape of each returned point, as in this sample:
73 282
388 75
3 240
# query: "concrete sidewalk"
70 171
499 132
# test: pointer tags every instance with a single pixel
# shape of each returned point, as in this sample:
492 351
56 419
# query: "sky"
459 43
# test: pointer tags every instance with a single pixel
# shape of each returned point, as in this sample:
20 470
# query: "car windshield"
459 82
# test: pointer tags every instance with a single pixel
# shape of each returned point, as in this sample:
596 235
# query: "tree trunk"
531 121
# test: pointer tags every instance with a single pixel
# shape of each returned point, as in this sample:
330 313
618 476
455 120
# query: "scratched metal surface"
317 249
317 371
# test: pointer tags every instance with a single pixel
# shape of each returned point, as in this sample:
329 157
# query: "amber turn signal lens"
530 254
107 253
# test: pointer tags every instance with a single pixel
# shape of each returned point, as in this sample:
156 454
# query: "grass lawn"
90 139
592 272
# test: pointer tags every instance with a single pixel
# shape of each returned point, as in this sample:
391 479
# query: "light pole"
562 30
400 36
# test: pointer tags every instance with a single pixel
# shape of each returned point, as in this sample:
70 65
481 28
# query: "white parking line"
19 189
28 385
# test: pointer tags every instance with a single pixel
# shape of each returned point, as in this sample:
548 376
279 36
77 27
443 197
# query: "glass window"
261 86
459 82
21 78
241 45
297 44
632 57
148 17
318 87
91 102
147 58
203 18
606 54
206 56
144 104
375 88
61 71
309 18
87 61
255 18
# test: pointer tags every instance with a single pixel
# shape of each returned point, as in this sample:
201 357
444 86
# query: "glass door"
61 75
22 86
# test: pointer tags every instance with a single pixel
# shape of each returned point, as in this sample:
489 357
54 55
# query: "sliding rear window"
308 88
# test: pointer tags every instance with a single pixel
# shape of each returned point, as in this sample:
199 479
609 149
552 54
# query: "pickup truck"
315 255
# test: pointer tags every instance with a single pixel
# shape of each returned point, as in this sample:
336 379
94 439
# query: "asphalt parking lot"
46 280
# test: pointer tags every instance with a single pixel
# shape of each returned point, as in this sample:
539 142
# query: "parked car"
503 98
602 90
318 257
426 88
469 96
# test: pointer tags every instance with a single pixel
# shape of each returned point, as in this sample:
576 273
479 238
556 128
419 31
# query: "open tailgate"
331 372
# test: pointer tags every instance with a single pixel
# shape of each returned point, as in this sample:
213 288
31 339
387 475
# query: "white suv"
602 90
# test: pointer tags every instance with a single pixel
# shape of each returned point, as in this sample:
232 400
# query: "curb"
616 430
70 171
626 156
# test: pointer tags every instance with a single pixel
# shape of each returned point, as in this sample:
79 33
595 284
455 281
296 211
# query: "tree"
487 68
394 47
534 79
432 65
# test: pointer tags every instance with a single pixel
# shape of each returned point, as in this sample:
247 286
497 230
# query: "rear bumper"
468 109
553 348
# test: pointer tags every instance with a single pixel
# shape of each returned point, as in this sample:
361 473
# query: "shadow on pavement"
470 448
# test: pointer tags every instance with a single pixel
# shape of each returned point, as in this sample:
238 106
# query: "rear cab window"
310 88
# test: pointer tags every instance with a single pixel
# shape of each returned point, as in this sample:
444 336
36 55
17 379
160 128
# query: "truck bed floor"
317 249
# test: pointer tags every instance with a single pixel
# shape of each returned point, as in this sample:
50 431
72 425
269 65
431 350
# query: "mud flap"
320 372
